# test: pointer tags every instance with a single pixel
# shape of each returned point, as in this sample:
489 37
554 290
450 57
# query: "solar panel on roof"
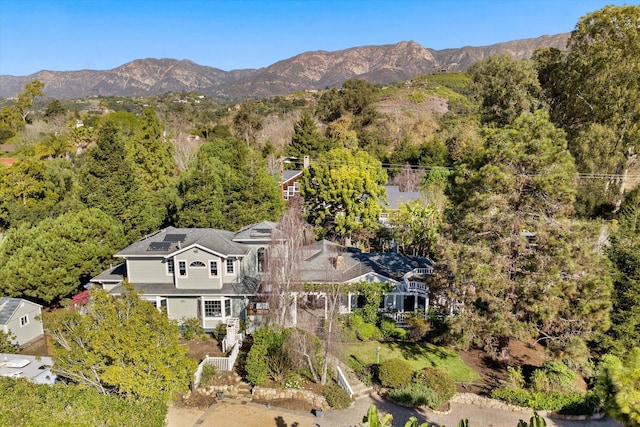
175 237
159 246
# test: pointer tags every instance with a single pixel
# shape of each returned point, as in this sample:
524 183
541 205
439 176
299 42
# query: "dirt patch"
200 347
38 347
493 372
194 400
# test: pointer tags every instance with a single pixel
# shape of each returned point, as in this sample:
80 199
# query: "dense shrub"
416 394
574 403
395 373
553 375
219 332
336 396
368 332
190 328
389 329
208 371
438 380
418 326
265 354
27 404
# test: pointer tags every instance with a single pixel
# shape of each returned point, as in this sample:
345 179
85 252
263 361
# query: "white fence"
343 382
221 363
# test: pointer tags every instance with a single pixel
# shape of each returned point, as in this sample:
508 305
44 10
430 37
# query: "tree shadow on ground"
280 422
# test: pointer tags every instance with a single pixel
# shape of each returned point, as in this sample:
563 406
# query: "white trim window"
230 266
213 268
212 308
197 264
170 267
182 268
24 320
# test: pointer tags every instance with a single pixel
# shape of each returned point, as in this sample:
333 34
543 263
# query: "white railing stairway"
343 382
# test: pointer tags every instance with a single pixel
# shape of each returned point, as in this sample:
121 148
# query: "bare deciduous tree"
283 263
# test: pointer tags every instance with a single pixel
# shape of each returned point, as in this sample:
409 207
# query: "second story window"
24 320
213 268
182 268
170 267
230 266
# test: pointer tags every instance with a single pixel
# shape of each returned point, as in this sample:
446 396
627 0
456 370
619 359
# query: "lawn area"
419 355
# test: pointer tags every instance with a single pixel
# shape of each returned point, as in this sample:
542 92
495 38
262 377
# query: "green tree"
120 344
247 122
618 385
108 182
31 190
507 87
595 83
52 260
54 109
227 187
355 98
306 140
342 191
6 345
528 269
624 252
25 99
416 227
151 154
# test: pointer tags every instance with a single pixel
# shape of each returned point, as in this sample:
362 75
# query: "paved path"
477 416
250 414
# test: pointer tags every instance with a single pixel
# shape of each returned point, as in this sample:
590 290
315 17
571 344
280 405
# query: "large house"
216 275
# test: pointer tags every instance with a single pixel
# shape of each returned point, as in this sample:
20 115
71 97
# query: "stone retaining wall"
263 393
477 400
228 390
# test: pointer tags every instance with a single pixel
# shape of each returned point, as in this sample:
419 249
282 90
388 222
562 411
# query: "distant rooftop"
34 368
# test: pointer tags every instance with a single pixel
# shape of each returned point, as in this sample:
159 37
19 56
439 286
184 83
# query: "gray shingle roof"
8 306
246 287
321 265
256 232
395 197
166 242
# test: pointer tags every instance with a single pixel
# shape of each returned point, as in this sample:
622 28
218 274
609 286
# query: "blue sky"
99 34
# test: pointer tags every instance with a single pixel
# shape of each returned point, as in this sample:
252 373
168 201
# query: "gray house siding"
179 308
148 270
197 273
24 325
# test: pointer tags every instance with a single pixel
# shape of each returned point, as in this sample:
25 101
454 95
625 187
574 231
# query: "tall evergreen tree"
108 183
507 86
306 140
624 252
227 187
151 154
526 269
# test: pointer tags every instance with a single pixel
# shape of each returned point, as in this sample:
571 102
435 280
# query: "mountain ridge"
312 70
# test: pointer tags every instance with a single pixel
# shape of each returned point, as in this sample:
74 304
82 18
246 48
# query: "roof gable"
8 307
173 240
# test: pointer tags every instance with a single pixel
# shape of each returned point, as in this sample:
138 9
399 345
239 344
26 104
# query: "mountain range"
307 71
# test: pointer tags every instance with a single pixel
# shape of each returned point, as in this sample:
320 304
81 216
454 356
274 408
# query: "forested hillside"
527 168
